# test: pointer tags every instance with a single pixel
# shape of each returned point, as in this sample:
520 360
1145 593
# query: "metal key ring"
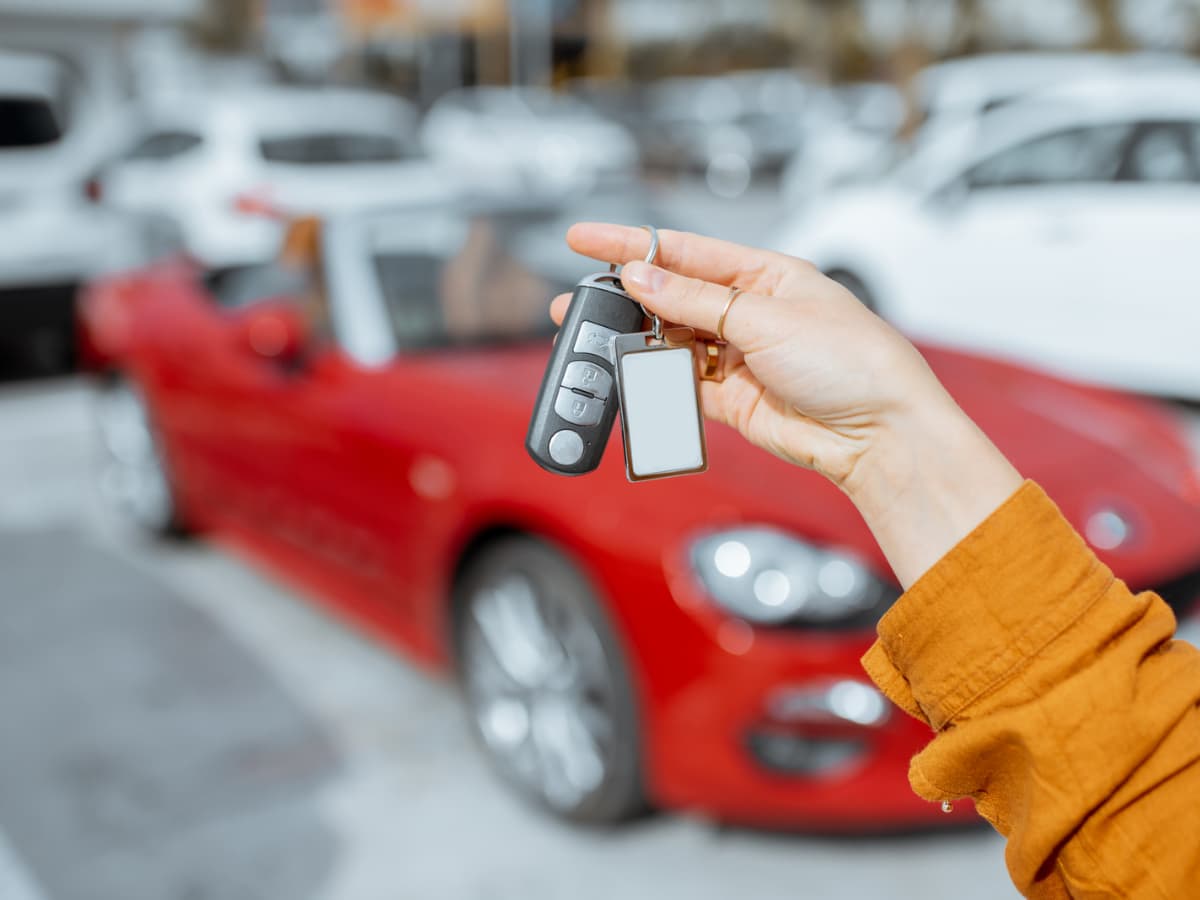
651 256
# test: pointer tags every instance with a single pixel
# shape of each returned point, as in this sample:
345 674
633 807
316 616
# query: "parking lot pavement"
175 725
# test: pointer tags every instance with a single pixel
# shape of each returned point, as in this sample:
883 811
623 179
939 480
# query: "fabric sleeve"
1061 706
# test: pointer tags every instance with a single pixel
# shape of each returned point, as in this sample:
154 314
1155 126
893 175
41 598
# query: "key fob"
577 403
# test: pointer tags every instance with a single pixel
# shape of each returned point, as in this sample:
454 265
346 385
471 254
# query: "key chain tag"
659 392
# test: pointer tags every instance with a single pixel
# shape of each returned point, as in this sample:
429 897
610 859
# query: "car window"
1161 152
27 122
491 284
241 286
1074 156
163 145
333 148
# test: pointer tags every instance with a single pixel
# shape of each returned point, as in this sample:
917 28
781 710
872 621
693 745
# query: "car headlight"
771 578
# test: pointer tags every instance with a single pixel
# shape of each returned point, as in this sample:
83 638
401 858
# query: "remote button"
596 340
588 377
577 408
566 447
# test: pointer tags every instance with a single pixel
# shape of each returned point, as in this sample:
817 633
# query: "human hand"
813 376
810 374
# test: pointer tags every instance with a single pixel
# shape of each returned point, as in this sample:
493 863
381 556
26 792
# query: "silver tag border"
624 344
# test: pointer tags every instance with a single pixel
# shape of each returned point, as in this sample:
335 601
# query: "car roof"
490 99
273 108
1170 93
29 75
976 81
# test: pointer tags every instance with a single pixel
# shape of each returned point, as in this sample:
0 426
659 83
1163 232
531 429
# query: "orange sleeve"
1060 703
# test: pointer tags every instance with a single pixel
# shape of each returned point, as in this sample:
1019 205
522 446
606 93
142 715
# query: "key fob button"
566 447
588 377
595 340
577 408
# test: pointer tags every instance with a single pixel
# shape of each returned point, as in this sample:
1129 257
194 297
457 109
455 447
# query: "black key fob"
577 403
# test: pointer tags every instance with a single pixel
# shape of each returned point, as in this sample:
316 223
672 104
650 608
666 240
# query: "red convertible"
353 415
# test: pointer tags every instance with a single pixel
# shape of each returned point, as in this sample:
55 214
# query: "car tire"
546 682
856 286
134 478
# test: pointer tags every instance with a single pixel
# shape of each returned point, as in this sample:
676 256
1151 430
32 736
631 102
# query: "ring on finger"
711 366
734 293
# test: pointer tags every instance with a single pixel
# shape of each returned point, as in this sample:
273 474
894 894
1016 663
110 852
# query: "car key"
577 403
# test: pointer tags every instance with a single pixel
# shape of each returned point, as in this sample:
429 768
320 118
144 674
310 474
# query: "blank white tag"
660 405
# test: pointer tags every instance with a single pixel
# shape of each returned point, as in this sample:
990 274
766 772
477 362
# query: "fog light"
846 702
798 755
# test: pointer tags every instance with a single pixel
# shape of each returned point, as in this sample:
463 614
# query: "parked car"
971 86
728 128
528 141
851 129
354 416
1057 231
54 239
227 168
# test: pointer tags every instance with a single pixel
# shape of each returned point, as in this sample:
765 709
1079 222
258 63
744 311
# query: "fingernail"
644 276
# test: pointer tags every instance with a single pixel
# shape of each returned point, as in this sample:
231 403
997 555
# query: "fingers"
699 304
558 308
720 262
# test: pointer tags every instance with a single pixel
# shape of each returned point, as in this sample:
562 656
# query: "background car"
1054 231
971 86
226 169
528 141
354 415
851 129
728 129
54 238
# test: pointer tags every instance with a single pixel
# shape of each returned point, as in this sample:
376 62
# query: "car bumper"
725 748
731 729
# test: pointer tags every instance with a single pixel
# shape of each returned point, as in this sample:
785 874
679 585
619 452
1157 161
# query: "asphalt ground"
176 726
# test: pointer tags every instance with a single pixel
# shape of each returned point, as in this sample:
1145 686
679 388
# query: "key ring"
651 256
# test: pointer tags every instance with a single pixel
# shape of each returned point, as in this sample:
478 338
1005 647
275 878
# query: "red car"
354 416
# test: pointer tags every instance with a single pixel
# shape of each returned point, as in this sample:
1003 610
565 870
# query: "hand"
810 374
814 377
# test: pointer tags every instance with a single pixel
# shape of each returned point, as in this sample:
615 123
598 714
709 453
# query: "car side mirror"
274 331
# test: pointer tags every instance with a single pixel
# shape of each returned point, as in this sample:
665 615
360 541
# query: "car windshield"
478 278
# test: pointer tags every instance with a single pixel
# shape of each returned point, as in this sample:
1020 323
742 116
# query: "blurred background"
274 623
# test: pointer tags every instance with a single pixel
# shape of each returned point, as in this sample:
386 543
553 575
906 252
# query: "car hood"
1092 450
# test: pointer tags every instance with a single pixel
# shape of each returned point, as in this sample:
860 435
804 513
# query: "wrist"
928 479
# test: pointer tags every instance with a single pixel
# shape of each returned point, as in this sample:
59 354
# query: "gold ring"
734 293
713 357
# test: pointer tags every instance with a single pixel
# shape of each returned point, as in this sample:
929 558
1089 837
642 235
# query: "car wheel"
856 286
133 476
546 682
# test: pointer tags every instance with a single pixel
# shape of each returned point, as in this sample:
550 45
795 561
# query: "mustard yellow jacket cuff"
1061 706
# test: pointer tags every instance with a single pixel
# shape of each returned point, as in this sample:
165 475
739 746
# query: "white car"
54 237
1058 230
974 85
528 142
852 129
863 140
228 169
